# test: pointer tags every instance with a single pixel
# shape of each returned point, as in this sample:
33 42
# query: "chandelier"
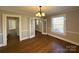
40 13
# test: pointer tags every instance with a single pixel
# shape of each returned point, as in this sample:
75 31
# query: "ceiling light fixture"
40 13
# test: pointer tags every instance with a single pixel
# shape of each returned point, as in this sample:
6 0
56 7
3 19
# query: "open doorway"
44 26
38 26
41 26
12 30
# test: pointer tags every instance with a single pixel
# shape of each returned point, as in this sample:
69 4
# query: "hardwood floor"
39 44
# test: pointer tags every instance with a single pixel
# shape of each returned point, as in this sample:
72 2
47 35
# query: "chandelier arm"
40 13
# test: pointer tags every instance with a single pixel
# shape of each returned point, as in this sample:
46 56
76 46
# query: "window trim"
64 15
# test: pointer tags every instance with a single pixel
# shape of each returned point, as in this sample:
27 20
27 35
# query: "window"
58 24
12 24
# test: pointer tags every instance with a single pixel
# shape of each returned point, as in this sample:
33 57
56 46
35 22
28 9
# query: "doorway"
38 27
12 30
41 26
7 31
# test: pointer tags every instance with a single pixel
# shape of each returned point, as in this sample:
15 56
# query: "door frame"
4 23
43 27
33 18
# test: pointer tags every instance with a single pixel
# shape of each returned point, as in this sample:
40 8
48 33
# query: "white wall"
72 27
25 27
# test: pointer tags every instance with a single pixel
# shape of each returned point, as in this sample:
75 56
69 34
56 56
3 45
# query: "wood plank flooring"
39 44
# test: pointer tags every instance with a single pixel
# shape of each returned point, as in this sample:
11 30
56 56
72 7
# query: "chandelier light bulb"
40 13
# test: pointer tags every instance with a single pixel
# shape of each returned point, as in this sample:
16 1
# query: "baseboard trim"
44 33
65 39
24 38
27 37
1 45
32 36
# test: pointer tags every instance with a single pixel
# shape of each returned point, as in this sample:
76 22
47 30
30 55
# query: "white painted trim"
73 32
44 33
1 45
32 36
2 42
65 39
30 26
19 26
24 38
27 37
5 28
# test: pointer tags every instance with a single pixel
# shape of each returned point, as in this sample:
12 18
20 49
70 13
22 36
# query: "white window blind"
58 24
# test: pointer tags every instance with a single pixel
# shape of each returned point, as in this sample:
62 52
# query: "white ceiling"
33 9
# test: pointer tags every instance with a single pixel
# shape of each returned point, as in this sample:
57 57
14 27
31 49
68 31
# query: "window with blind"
58 24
